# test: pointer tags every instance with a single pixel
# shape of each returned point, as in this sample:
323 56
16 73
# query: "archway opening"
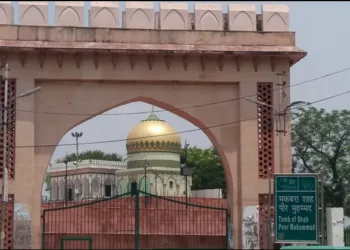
108 188
172 161
98 185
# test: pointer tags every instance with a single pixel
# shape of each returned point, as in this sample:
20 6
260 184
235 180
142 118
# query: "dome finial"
152 116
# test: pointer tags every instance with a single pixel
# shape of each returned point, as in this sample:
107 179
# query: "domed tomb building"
153 160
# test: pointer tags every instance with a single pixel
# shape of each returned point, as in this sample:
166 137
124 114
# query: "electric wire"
185 107
181 132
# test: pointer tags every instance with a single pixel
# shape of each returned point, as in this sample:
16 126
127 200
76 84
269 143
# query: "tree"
208 170
92 154
321 144
48 182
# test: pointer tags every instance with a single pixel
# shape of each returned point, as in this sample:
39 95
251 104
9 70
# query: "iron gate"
135 220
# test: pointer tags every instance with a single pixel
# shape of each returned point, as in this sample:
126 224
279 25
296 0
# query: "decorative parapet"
173 16
242 17
33 13
86 163
208 16
6 12
275 18
139 15
69 13
104 15
142 15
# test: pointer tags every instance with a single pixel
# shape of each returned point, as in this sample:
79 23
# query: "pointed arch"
276 22
33 16
106 14
95 187
65 15
54 191
4 16
143 14
108 187
122 186
209 15
174 17
144 184
62 190
70 183
77 186
86 187
158 185
181 113
245 21
108 181
171 185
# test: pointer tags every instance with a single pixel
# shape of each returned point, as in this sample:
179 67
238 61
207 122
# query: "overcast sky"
322 29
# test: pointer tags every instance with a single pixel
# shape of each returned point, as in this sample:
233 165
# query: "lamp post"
281 117
146 165
186 171
66 181
4 166
145 181
77 135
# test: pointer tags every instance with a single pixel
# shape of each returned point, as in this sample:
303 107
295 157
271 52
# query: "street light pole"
186 171
145 181
186 190
146 165
77 135
4 185
66 181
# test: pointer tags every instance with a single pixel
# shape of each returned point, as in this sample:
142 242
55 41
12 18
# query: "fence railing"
134 220
347 237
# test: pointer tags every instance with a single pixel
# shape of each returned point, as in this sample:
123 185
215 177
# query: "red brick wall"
9 221
146 242
162 223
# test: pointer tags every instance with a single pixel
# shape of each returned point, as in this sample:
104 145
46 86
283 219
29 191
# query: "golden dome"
153 134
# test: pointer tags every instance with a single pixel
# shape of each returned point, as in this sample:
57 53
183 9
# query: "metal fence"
134 220
347 237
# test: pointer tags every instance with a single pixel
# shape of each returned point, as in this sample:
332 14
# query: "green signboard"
296 208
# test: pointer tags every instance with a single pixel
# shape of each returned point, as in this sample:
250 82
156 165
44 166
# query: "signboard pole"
296 208
322 214
268 230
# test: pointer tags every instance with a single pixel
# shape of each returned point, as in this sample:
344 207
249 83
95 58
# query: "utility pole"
4 184
281 114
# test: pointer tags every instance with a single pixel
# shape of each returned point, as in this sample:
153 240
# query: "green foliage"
94 154
321 144
48 181
208 170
